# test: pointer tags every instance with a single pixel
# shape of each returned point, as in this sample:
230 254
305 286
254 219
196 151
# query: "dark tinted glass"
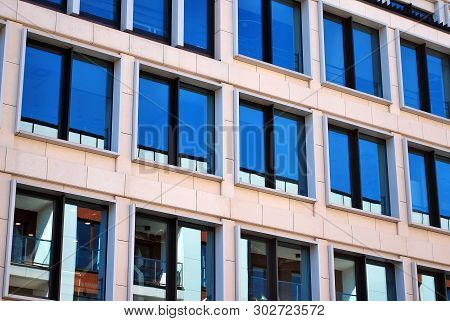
374 176
334 50
339 162
251 132
250 28
42 86
410 75
104 9
152 17
286 141
443 185
254 269
196 123
91 97
439 83
286 42
418 176
153 118
367 60
196 23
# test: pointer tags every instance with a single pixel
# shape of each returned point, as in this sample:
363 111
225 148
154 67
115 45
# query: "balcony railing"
31 251
289 291
151 272
258 289
88 259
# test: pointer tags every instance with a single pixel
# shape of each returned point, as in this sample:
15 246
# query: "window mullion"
424 91
349 56
173 122
355 171
267 30
56 248
361 279
64 111
432 189
171 261
270 147
272 277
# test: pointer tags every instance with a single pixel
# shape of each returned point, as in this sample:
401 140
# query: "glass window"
152 17
447 285
410 74
286 34
196 129
197 24
41 90
367 60
345 279
254 270
443 188
374 175
419 192
90 102
32 243
377 288
106 10
153 119
427 287
150 259
195 267
292 278
251 133
334 52
250 28
439 82
83 275
339 146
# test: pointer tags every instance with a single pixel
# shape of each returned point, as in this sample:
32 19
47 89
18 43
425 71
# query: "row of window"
69 96
59 251
271 31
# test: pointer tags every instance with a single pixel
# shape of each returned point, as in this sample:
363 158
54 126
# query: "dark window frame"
422 71
269 114
46 4
272 261
68 55
173 226
60 200
349 56
102 21
361 261
439 281
354 135
173 154
208 52
430 158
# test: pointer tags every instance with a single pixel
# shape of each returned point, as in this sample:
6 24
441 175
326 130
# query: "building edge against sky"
95 206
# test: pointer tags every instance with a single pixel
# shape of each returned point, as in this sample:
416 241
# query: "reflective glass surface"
334 50
196 23
377 288
410 75
286 141
443 186
152 17
253 266
439 82
418 175
345 278
339 162
290 273
104 9
286 34
250 28
251 133
427 287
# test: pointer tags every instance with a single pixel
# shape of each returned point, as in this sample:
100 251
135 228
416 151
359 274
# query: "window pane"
152 17
104 9
339 163
42 87
334 50
345 278
254 286
427 287
196 23
195 268
83 265
50 2
374 176
150 260
153 115
367 60
377 289
290 274
287 143
286 34
443 186
250 28
31 247
251 131
91 101
196 126
418 176
439 82
410 76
